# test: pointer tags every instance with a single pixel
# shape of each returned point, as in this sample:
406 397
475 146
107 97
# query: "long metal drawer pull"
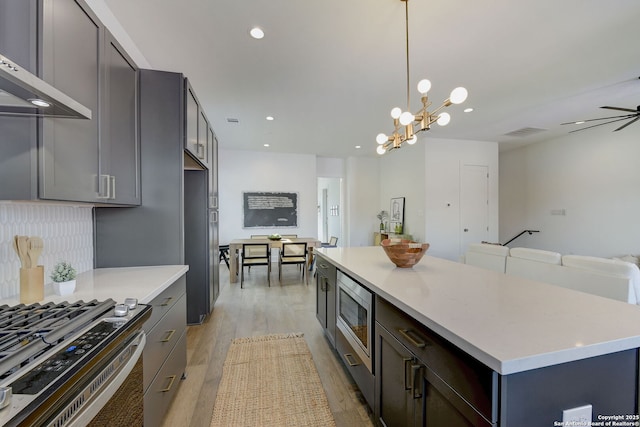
172 378
416 389
169 335
166 302
407 383
354 363
418 343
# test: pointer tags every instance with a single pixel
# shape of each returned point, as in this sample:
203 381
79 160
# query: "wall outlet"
580 416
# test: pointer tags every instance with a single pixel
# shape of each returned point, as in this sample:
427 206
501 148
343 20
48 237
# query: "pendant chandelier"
423 119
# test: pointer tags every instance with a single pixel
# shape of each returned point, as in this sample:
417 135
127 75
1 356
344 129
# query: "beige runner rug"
270 380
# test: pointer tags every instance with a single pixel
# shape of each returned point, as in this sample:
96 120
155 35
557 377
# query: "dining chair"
255 254
259 236
224 254
293 253
333 242
289 236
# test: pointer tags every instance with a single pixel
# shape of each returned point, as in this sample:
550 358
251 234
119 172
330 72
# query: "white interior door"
474 205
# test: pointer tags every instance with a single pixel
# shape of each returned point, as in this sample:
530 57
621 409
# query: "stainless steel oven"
72 364
355 316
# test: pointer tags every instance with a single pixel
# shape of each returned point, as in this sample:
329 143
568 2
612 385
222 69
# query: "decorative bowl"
274 237
404 253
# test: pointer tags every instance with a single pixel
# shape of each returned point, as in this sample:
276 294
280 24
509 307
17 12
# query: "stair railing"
520 234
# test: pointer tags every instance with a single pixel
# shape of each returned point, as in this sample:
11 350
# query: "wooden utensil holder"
31 284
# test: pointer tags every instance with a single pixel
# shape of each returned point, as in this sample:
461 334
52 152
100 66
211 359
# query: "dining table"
235 247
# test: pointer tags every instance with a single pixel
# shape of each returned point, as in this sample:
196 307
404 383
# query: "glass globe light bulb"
395 113
424 86
443 119
406 118
381 138
458 95
412 140
381 150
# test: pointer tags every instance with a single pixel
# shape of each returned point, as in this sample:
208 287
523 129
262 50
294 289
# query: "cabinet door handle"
416 342
416 384
103 187
169 335
407 378
112 187
172 378
352 362
166 302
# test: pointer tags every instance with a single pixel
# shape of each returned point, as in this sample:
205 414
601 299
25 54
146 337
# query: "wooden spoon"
35 249
23 249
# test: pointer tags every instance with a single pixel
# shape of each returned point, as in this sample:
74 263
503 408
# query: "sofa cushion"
489 249
536 255
600 265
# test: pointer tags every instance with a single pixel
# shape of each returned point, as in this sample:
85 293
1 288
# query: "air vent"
525 132
232 120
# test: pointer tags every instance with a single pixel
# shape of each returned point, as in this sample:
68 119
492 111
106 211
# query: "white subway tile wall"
67 232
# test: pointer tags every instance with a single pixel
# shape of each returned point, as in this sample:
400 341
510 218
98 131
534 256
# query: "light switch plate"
580 416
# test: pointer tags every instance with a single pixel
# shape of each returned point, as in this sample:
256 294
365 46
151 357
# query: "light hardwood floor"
258 310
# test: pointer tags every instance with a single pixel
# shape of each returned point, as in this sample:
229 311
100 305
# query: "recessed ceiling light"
270 118
266 145
468 110
256 33
40 102
357 146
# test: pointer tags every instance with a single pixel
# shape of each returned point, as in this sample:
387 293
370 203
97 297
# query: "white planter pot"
64 288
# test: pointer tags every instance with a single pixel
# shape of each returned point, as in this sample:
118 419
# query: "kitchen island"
537 349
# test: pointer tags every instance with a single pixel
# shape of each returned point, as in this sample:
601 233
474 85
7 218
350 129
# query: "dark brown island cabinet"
419 378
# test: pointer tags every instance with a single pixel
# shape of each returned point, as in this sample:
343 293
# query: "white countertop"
509 323
143 283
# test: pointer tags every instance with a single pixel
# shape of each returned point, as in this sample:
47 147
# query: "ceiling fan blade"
627 124
620 109
600 124
602 118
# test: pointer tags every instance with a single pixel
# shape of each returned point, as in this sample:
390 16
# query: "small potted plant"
64 278
382 216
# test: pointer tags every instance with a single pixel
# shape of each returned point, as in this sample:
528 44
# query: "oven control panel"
34 381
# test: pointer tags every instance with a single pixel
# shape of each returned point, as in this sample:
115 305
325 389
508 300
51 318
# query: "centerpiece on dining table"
275 236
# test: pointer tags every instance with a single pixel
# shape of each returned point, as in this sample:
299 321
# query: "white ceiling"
330 71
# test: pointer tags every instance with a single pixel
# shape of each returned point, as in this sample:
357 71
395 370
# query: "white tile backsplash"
67 232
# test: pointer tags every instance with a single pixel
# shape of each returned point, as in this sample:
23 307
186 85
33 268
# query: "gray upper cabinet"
93 161
196 140
119 143
18 135
72 39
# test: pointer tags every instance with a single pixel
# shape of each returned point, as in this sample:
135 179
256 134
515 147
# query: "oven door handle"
92 408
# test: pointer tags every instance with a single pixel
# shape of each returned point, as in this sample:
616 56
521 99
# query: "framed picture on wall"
396 215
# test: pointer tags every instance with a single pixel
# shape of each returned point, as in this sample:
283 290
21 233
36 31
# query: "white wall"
241 171
594 175
443 160
402 174
362 200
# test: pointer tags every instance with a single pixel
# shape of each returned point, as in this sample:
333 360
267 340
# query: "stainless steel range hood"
24 94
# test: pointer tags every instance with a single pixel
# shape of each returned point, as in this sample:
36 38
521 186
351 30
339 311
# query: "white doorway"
474 205
329 208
